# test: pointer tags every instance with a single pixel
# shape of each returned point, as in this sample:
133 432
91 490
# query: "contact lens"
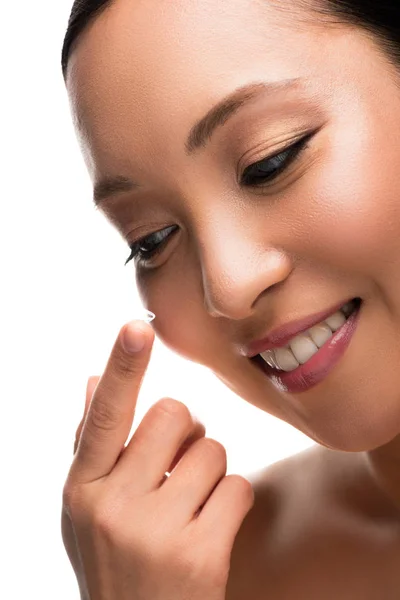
144 315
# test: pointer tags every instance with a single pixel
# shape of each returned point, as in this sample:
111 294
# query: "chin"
353 424
356 420
356 406
355 409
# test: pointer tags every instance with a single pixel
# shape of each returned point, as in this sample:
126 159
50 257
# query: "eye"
269 168
148 247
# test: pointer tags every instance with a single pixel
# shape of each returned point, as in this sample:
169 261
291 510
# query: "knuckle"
242 485
214 447
125 367
175 409
72 497
68 495
103 416
104 518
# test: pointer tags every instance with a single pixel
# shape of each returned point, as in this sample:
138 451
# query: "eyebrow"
202 131
111 186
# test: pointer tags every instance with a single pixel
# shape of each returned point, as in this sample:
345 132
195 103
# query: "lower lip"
317 368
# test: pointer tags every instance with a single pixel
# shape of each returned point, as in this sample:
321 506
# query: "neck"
384 466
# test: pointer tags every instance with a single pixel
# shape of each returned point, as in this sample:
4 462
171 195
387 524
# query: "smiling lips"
303 346
282 336
298 360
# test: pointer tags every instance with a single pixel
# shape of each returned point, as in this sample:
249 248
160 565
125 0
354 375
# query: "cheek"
174 294
353 212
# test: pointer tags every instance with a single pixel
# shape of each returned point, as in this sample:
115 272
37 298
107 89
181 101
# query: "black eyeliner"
293 152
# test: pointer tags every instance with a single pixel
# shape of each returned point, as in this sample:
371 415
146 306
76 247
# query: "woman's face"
248 255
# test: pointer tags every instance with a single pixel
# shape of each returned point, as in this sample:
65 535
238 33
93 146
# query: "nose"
236 273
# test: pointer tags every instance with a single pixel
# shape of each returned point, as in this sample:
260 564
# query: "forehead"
144 71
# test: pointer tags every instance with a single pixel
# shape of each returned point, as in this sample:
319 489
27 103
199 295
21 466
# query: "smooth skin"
326 523
130 531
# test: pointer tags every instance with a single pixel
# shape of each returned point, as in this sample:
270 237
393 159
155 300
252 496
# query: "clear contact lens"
144 315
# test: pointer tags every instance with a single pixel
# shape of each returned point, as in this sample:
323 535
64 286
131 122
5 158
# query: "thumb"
90 387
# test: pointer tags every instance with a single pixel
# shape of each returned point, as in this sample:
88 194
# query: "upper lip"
281 336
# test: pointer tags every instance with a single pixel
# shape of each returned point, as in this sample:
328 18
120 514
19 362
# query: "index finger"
111 412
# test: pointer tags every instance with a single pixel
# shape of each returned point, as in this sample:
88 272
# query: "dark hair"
379 17
83 11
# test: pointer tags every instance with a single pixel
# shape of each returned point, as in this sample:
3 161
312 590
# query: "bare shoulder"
307 531
284 493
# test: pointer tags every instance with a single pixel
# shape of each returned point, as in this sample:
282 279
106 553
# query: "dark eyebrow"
110 186
202 131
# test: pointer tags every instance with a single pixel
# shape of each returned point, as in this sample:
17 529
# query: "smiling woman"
249 155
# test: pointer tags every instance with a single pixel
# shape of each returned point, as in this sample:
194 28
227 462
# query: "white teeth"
303 348
273 360
286 359
268 356
306 344
320 334
336 320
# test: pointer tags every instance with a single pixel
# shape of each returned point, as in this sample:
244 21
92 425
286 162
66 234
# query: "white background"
64 296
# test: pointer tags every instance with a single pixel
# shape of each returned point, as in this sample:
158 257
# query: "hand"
131 532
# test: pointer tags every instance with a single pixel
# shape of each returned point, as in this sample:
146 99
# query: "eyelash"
136 247
284 159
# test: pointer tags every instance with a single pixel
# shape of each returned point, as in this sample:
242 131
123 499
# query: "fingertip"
136 336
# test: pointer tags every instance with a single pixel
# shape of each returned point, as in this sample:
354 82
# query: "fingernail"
133 339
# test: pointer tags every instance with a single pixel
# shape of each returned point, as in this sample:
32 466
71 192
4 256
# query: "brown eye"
269 168
147 247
